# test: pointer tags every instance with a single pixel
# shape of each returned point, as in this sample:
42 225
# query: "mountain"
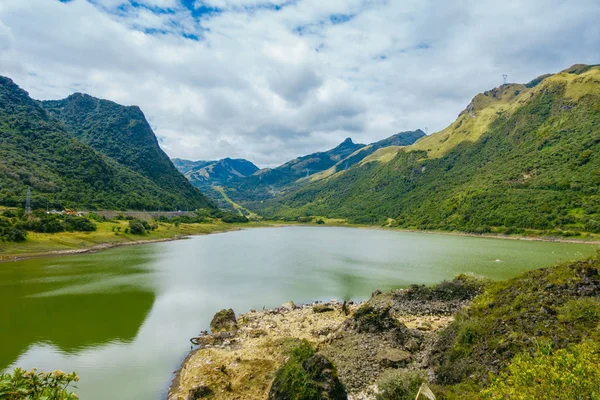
393 142
123 134
235 183
518 157
200 173
76 163
268 182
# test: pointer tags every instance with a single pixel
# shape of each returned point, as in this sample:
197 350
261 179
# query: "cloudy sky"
269 80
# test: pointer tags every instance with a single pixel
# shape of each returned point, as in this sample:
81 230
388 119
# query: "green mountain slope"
521 156
123 134
38 151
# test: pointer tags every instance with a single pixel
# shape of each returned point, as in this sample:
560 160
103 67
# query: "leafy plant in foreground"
36 385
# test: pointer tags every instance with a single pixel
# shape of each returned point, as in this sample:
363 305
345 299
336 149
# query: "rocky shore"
346 348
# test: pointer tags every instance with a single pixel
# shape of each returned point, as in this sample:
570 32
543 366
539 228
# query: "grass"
241 210
43 243
554 307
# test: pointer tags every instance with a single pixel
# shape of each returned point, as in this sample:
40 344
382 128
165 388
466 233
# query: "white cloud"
271 80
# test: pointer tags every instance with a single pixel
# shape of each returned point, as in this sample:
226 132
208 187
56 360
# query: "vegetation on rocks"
223 321
553 308
307 375
572 373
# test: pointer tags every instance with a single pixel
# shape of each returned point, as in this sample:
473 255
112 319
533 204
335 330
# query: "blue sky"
269 80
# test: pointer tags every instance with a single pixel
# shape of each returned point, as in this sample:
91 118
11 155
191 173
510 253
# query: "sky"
270 80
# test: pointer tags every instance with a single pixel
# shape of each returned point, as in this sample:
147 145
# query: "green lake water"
122 318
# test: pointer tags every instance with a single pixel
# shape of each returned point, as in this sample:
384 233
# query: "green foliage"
140 227
584 311
399 384
565 374
306 375
36 385
556 305
231 218
64 170
16 235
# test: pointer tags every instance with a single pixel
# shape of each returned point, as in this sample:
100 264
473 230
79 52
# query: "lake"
122 318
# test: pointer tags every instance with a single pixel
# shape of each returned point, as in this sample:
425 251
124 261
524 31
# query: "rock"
412 345
424 326
289 306
205 340
254 333
393 358
321 308
376 293
223 321
200 392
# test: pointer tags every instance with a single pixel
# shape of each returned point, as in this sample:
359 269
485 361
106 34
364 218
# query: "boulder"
393 358
289 306
321 308
224 321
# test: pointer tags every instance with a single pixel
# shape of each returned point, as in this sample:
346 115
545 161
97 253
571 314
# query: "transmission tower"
426 129
307 172
28 201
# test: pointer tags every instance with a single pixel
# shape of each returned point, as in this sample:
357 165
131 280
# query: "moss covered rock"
224 321
307 375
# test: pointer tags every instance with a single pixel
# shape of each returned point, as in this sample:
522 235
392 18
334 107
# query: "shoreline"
274 224
242 361
106 246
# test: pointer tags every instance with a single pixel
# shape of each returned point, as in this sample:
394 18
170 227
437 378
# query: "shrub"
399 384
9 214
16 235
136 227
306 375
35 385
234 218
572 373
585 311
80 224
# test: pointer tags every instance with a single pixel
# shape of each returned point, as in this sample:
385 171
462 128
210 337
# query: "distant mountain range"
84 152
519 156
229 182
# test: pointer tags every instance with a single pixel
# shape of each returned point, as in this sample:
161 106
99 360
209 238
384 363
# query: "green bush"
585 311
35 385
16 235
399 384
80 224
306 375
572 373
136 227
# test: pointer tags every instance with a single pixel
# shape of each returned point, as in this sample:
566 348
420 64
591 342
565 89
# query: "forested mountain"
519 156
123 134
63 170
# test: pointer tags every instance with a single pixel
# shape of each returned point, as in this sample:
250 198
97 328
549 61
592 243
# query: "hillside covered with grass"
519 157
